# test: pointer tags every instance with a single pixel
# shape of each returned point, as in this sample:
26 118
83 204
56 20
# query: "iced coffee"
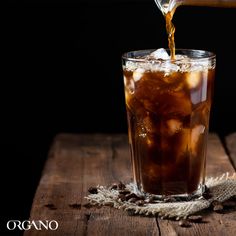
168 105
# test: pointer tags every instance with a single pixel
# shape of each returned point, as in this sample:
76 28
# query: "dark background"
63 74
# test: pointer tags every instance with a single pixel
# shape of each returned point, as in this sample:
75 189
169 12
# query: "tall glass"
168 106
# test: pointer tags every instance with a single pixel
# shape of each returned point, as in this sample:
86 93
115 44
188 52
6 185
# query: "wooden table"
77 162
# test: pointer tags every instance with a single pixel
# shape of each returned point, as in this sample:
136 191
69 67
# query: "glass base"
172 198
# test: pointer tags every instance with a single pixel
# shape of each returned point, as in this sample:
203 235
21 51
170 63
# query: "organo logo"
32 224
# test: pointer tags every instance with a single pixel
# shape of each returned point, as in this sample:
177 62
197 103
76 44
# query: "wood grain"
231 147
77 162
215 224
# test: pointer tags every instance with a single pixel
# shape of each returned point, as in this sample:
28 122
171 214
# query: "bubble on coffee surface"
159 60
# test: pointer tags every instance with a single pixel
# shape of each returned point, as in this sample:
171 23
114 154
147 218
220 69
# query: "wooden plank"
79 161
231 147
74 164
217 160
216 224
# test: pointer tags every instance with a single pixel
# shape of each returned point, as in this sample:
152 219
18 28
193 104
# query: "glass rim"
203 55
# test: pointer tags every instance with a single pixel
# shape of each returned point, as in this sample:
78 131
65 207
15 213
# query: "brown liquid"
170 29
168 125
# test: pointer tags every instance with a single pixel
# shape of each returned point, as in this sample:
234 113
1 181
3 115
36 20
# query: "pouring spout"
166 6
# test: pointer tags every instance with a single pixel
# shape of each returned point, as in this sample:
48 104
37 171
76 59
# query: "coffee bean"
195 218
140 202
87 205
50 206
121 197
141 197
184 223
121 186
93 190
124 191
218 208
233 198
179 199
150 200
75 206
229 204
169 199
132 200
131 195
114 186
207 194
110 204
215 203
131 212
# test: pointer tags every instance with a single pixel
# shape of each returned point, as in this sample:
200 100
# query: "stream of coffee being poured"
170 29
168 8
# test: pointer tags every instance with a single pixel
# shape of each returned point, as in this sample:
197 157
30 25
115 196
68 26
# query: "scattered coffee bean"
233 198
110 204
87 205
179 199
218 208
207 194
140 202
121 186
131 212
75 206
93 190
150 200
195 218
229 203
114 186
141 197
169 199
124 191
184 223
131 195
121 197
215 203
50 206
132 200
87 216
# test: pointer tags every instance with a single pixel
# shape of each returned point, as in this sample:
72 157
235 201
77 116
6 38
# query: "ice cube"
193 79
160 53
181 57
149 125
182 143
173 126
195 135
169 67
125 80
130 86
137 74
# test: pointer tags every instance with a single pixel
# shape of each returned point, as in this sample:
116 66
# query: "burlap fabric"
221 188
